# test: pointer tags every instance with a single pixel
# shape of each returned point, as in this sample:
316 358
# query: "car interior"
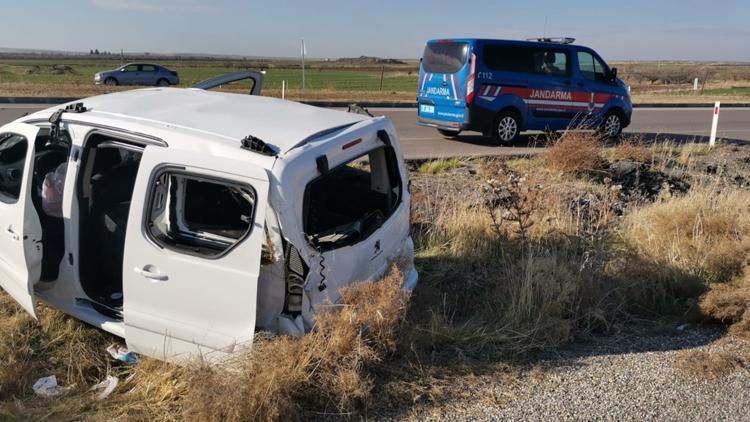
109 169
49 154
348 203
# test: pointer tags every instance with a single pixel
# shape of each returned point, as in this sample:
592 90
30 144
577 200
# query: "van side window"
517 58
12 161
551 62
591 68
197 215
508 58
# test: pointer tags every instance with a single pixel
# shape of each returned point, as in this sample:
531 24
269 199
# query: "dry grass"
705 234
435 167
730 304
575 152
327 371
633 150
709 366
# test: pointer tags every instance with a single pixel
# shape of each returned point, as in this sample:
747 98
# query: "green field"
319 75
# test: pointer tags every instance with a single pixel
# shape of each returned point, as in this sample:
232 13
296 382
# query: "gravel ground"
630 377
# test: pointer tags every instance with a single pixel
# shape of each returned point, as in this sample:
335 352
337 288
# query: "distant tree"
96 51
91 51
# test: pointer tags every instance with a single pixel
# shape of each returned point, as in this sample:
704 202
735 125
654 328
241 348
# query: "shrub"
575 152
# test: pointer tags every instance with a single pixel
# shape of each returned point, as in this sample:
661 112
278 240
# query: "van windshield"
445 57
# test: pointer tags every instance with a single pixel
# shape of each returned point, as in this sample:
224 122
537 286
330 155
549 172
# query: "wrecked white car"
184 220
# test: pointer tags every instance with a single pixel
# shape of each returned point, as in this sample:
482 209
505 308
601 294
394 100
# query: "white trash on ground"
107 386
47 387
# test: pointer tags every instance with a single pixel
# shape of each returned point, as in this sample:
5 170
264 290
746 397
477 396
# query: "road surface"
652 124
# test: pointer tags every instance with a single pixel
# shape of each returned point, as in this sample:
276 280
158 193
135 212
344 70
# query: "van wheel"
611 126
449 133
507 128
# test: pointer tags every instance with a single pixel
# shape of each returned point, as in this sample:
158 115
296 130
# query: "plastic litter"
47 387
121 353
107 386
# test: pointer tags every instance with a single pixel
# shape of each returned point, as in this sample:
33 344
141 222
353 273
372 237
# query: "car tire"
162 82
449 133
506 128
611 126
111 81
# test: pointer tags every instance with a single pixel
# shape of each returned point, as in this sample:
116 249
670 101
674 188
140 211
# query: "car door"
148 75
20 242
179 297
130 75
591 82
245 78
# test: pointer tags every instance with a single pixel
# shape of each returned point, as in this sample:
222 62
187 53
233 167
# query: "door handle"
13 235
148 272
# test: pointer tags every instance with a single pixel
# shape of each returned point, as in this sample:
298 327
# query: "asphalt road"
651 124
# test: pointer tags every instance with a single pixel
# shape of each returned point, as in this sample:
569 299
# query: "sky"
622 30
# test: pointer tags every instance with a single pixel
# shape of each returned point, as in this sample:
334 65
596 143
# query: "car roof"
231 117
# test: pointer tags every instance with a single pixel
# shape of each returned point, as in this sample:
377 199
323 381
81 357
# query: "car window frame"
6 199
180 170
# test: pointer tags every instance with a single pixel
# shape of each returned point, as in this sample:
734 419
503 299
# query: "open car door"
254 78
20 242
192 254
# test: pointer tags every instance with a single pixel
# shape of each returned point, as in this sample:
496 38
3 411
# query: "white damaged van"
184 220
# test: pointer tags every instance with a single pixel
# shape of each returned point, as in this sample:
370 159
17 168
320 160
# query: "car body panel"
216 306
210 307
543 101
20 242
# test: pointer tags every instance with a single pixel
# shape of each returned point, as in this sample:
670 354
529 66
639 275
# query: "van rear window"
444 57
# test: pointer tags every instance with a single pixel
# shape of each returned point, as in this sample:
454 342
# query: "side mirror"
123 70
613 75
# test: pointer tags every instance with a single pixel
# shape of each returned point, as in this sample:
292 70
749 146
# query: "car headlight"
97 77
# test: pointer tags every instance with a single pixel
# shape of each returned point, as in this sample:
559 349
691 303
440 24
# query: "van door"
592 81
20 242
550 97
442 80
192 253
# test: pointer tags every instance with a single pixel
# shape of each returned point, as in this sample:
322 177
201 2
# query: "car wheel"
507 128
162 82
111 81
611 126
449 133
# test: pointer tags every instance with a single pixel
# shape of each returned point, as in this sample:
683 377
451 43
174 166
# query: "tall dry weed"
575 152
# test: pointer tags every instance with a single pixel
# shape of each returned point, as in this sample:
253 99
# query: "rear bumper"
441 124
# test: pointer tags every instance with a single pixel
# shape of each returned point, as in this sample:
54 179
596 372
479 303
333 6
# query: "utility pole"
303 64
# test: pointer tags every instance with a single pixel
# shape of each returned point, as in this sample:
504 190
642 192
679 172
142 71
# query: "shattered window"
199 216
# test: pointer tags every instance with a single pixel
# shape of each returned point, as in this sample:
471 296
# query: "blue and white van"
502 88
